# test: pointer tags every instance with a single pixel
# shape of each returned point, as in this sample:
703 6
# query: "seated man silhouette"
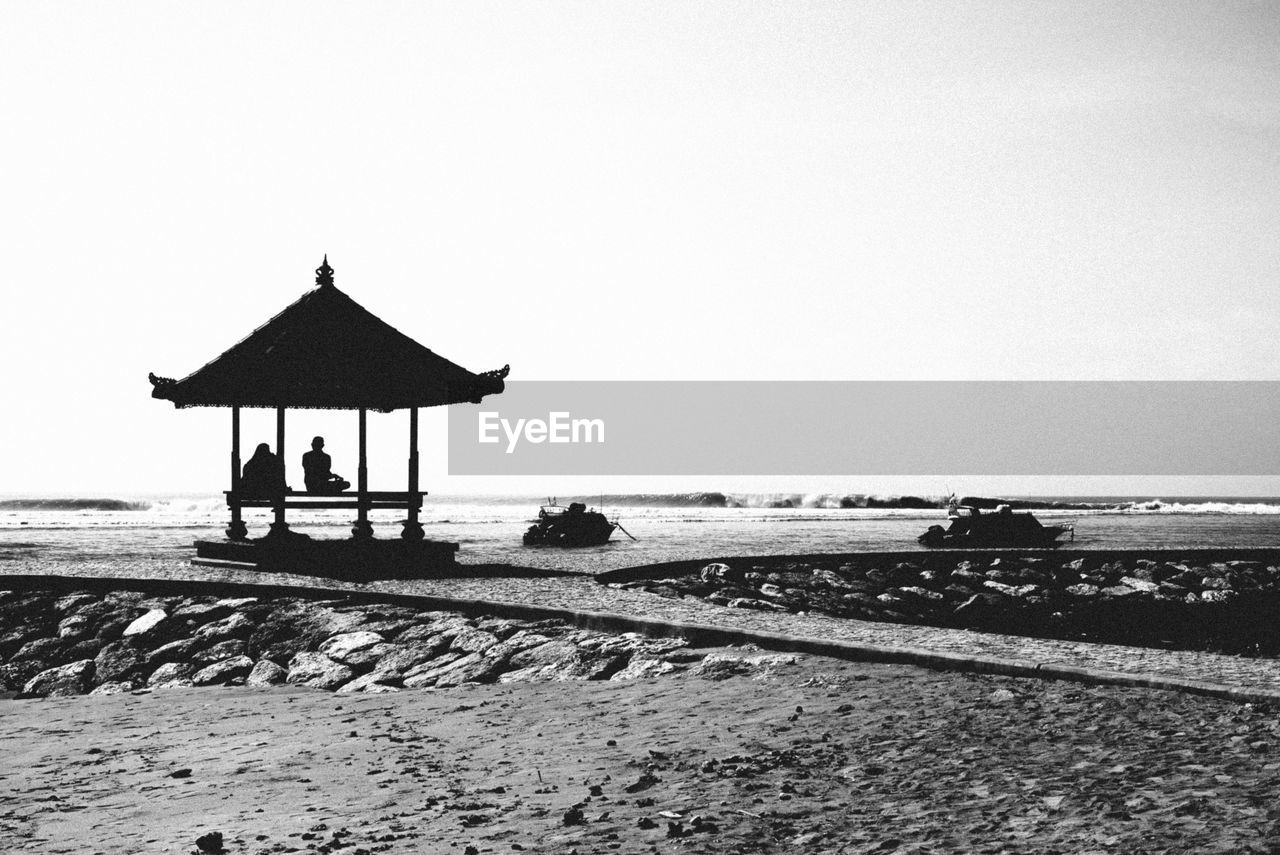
315 466
263 475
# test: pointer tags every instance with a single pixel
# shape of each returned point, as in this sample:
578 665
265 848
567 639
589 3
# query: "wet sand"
802 754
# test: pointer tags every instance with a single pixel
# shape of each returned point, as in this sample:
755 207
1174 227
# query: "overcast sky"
622 191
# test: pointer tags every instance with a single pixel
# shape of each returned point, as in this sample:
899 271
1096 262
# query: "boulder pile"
1228 606
54 644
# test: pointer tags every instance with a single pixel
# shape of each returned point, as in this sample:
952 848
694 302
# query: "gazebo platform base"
349 560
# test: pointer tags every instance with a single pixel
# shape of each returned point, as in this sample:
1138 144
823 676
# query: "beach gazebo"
326 351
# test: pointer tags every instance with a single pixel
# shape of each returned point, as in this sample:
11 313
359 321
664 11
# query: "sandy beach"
788 754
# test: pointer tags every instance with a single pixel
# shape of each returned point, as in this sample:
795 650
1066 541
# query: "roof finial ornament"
324 273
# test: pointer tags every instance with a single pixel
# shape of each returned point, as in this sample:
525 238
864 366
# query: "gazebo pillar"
237 529
362 529
280 526
413 528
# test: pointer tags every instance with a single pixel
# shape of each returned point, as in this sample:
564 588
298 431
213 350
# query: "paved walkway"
583 594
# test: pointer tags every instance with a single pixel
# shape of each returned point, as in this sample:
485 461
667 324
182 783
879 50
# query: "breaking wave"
1208 505
73 505
1159 506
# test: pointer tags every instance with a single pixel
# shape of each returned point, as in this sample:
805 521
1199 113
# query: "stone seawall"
59 642
1214 600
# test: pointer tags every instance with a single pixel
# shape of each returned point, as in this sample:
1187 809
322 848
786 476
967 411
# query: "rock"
266 673
171 675
105 609
71 602
968 578
1034 576
379 689
367 657
720 666
400 658
757 605
13 640
502 628
830 578
1083 589
901 575
221 673
112 629
15 675
521 641
561 660
1217 596
119 660
317 671
718 573
434 664
174 651
770 590
642 667
921 593
1005 575
388 629
210 843
344 645
74 626
86 648
1119 591
1185 578
146 623
1215 583
978 607
201 611
294 626
866 586
234 625
1138 584
630 643
473 641
1144 571
114 688
444 624
228 649
370 683
62 681
470 668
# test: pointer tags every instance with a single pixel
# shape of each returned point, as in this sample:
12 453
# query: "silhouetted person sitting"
316 466
263 475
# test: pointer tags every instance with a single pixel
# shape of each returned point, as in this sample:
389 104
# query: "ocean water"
666 526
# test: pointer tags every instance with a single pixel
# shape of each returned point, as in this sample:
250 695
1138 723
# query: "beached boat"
970 528
557 525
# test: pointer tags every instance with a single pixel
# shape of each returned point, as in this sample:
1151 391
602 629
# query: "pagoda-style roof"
326 351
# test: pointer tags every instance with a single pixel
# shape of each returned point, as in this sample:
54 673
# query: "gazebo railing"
362 503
